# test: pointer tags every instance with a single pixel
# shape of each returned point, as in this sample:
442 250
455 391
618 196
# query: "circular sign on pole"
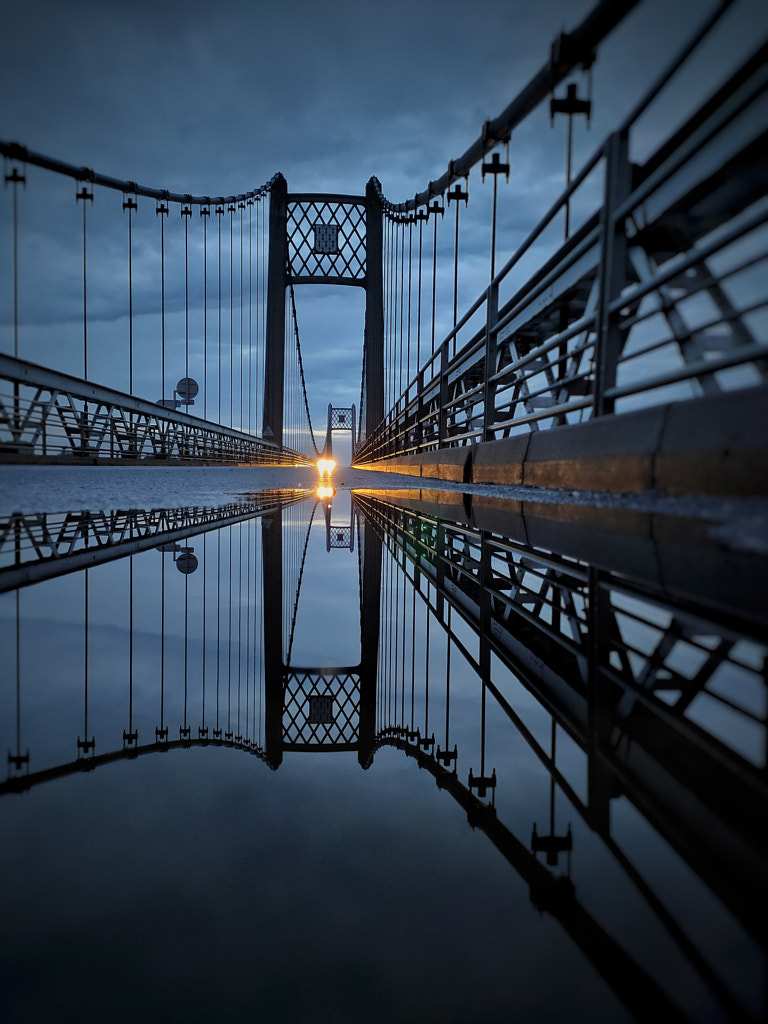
186 562
187 388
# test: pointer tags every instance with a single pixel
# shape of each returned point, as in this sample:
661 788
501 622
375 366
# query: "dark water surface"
388 755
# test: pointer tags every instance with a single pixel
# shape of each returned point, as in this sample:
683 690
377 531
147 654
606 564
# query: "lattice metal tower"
324 239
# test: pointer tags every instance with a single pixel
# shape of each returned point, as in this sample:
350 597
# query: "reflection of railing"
550 892
656 297
34 547
665 693
25 781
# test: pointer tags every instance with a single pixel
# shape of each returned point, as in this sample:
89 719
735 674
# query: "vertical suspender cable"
248 525
448 679
231 209
259 549
434 277
241 207
160 211
388 328
456 278
250 306
402 305
426 680
85 734
413 651
130 648
185 731
229 645
217 731
130 205
493 225
186 213
15 178
264 223
205 212
418 300
393 314
239 622
410 280
162 650
85 195
18 681
219 214
402 647
203 731
395 626
456 195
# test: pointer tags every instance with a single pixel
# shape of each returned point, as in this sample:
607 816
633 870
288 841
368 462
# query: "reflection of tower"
339 535
312 708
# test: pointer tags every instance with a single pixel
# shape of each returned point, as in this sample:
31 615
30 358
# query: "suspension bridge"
618 344
621 346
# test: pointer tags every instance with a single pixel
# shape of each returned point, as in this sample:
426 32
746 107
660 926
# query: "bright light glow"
325 492
326 466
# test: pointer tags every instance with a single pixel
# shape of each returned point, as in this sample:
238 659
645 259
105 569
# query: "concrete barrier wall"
713 445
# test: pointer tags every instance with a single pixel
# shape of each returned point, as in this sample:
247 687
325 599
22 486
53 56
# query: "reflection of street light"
325 467
324 492
183 558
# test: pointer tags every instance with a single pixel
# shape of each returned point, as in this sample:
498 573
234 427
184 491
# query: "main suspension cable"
301 370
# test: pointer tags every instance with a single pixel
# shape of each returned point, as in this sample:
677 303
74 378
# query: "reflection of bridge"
631 672
629 355
646 685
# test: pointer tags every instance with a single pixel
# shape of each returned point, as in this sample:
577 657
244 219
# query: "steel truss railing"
634 675
46 415
658 296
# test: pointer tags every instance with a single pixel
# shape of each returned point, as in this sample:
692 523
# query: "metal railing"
47 416
658 296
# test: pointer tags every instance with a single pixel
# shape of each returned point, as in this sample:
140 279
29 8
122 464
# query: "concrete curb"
716 445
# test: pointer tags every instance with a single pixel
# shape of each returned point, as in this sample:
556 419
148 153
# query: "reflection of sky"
195 879
328 619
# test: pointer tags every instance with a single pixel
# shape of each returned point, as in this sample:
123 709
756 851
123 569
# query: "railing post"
489 389
419 433
274 356
613 269
442 416
599 709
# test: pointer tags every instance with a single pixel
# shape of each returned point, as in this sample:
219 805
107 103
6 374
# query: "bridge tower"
324 239
339 419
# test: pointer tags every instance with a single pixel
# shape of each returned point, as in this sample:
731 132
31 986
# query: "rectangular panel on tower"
326 238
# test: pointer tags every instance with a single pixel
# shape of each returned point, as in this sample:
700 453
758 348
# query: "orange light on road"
326 466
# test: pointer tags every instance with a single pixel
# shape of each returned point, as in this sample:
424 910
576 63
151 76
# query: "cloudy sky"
213 99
